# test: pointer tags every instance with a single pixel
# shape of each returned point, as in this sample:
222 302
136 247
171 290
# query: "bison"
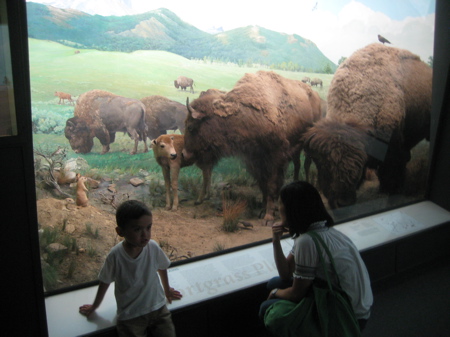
306 79
167 150
261 120
63 96
101 114
316 82
379 105
184 82
162 114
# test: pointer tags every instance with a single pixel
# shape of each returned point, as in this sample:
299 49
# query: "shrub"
232 210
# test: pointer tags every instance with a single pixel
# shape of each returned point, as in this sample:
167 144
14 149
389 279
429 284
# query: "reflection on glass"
8 126
154 59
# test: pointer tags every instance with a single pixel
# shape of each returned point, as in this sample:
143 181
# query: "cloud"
336 34
356 26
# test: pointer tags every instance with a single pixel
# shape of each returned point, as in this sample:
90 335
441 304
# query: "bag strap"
318 241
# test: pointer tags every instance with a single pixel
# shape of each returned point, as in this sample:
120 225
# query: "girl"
302 210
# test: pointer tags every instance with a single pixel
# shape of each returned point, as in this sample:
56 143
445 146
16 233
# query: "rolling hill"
163 30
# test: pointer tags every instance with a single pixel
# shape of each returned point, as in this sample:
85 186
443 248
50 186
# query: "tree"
342 59
430 61
327 69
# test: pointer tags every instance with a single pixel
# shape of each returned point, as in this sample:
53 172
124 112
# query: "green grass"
54 67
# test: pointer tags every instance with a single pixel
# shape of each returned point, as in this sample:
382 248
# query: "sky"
338 27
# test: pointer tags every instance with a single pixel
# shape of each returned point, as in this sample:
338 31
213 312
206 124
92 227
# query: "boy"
134 265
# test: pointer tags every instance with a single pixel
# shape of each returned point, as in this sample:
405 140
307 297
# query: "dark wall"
22 297
439 179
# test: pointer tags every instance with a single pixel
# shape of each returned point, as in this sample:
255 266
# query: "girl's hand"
278 229
173 294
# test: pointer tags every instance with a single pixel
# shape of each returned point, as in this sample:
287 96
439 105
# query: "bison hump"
269 94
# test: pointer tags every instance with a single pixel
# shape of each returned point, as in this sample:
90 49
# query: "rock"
70 228
56 247
136 182
93 183
143 173
76 164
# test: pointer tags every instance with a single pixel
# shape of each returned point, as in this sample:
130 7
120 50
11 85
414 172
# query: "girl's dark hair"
130 210
303 206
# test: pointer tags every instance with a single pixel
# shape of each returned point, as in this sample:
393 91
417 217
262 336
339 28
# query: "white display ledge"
217 276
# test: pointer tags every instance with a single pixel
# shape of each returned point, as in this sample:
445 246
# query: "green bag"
325 311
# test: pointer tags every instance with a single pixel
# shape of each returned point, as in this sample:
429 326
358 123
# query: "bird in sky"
383 40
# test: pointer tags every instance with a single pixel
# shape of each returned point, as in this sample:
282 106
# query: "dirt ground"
191 231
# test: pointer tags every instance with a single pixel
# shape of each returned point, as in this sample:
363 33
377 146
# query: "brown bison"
162 114
64 96
306 79
379 106
261 120
101 114
184 82
316 82
168 153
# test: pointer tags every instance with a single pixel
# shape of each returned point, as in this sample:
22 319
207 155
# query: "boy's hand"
87 309
173 294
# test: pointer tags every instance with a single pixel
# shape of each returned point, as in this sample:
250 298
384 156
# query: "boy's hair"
130 210
303 206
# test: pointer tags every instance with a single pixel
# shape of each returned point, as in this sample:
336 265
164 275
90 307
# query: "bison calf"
167 151
63 96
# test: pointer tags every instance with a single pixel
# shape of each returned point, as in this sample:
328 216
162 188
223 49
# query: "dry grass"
232 211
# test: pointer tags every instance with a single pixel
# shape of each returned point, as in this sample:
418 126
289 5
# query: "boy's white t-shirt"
138 290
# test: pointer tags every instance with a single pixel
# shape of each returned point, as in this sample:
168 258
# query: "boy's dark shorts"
158 322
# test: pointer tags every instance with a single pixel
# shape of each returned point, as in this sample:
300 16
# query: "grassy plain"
54 67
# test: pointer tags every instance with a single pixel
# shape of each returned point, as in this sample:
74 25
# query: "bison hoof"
265 222
268 220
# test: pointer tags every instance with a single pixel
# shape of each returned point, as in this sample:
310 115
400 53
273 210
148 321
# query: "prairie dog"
82 199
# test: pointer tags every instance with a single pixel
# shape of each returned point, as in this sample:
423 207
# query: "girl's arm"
88 309
285 265
171 293
295 293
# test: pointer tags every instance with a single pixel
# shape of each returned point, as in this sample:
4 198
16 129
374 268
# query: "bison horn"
190 109
192 112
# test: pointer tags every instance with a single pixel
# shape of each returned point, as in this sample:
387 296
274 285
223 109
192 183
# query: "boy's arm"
88 309
171 293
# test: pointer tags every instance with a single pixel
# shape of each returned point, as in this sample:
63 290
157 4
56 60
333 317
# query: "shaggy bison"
184 82
167 150
162 114
261 120
379 105
101 114
315 82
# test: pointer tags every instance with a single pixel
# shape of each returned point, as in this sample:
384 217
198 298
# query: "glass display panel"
106 75
8 125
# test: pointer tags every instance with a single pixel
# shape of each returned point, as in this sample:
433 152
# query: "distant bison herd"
377 110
